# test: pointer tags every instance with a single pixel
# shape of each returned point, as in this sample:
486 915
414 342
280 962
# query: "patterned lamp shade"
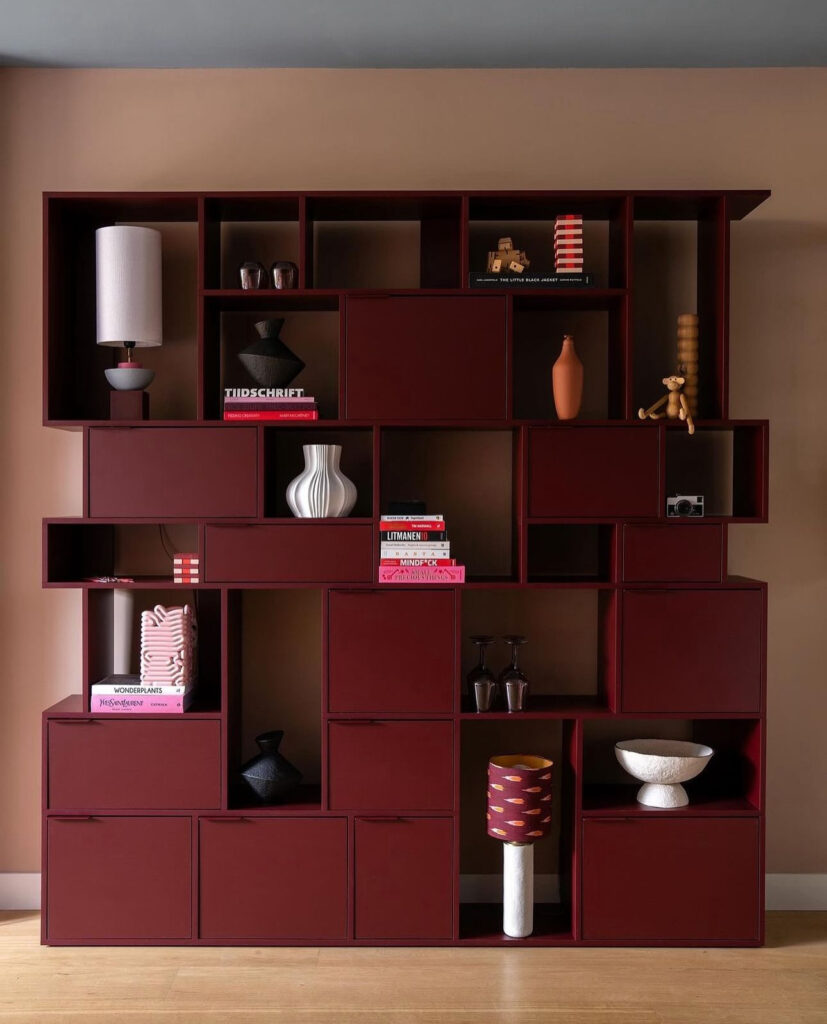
519 798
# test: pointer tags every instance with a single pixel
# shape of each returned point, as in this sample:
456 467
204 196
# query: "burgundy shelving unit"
437 390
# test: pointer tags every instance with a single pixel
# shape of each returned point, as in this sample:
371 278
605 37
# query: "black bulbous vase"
269 774
269 361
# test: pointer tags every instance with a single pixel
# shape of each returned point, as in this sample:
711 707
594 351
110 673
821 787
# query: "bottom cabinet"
404 878
273 878
671 880
119 879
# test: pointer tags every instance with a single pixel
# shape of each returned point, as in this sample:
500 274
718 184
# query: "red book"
418 561
237 414
424 574
411 524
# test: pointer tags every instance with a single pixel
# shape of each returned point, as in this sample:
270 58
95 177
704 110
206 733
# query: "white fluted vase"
321 490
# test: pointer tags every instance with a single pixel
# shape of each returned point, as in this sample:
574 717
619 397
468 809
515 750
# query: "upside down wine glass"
482 683
513 683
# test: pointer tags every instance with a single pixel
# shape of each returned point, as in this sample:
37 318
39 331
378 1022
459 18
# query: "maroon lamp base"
128 405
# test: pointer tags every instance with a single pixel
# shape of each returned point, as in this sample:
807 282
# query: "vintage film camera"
685 506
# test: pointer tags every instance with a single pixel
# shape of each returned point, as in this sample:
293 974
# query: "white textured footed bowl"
321 490
662 765
129 378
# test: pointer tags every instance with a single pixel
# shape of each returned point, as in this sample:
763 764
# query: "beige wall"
440 129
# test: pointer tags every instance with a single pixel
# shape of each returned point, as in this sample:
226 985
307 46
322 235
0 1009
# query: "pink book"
425 574
144 704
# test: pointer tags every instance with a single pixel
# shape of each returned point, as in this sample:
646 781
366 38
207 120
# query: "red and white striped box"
186 568
568 244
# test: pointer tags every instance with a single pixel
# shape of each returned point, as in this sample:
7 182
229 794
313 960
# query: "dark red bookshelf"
436 389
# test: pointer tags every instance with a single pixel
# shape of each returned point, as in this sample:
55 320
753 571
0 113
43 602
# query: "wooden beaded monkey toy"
677 407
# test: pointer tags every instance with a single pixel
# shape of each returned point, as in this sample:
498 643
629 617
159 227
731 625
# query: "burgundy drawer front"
173 472
393 766
391 652
266 878
292 554
138 765
119 879
593 471
426 357
685 879
692 650
679 554
404 878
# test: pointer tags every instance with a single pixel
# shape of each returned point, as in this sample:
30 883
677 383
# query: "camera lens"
683 507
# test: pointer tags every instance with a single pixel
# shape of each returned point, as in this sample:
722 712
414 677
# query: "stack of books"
416 551
169 638
568 244
186 568
122 694
271 405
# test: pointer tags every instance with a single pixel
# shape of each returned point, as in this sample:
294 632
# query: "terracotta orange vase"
567 381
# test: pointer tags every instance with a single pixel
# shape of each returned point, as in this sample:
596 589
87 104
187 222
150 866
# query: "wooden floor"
785 983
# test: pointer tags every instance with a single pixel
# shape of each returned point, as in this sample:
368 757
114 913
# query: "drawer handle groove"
356 721
74 721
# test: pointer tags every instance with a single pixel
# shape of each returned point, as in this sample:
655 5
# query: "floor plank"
784 983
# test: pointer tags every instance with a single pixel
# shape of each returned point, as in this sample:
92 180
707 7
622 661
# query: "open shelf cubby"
275 683
731 782
78 551
677 265
465 475
539 324
309 331
529 222
363 242
481 856
243 228
571 552
99 608
77 388
570 635
725 465
284 460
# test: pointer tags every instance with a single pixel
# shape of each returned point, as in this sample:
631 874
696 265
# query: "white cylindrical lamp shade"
128 279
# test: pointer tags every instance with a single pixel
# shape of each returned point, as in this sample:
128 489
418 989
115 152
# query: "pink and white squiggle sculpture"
168 646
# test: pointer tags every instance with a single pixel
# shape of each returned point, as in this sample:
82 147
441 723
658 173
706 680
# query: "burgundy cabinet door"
593 471
404 878
391 652
291 554
273 878
138 765
673 553
671 880
692 650
173 471
119 879
391 766
426 357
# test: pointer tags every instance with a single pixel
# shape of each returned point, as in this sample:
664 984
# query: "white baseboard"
797 892
21 891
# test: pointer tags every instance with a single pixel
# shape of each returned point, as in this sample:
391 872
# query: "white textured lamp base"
123 604
518 889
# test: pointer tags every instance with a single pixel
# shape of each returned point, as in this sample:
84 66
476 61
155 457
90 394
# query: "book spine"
418 561
412 536
437 550
426 574
260 406
258 393
412 519
386 525
139 704
238 414
113 689
259 399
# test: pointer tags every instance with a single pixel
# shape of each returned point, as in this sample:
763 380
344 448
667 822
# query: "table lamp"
128 280
518 814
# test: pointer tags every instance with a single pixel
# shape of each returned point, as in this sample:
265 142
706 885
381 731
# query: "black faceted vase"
270 775
269 361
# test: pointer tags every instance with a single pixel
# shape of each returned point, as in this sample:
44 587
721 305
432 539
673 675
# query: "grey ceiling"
413 33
